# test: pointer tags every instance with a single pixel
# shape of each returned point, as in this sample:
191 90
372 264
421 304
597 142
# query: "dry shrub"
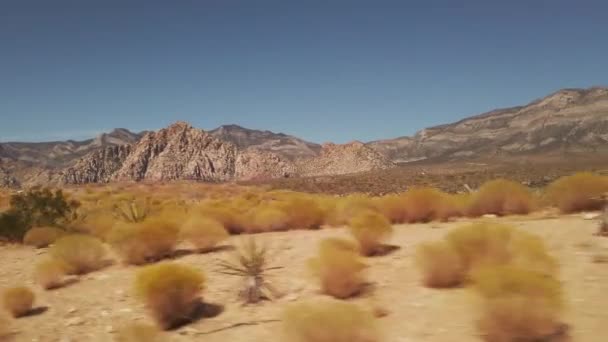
518 304
451 262
18 301
232 219
268 219
80 253
148 241
393 207
347 207
40 237
578 192
441 265
422 204
49 273
99 224
329 321
171 292
339 268
138 332
501 197
302 211
371 230
204 233
452 205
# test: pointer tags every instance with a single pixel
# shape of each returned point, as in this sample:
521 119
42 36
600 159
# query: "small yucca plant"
250 261
132 211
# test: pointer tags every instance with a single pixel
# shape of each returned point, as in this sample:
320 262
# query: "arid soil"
92 308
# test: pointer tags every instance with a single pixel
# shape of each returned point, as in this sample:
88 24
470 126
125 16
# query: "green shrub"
80 253
171 292
42 236
371 230
18 301
329 321
339 268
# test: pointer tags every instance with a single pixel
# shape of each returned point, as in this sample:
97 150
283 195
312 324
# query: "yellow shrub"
452 205
99 224
49 273
517 304
42 236
80 253
440 264
339 268
466 249
393 207
204 233
578 192
501 197
302 211
329 321
268 219
231 218
138 332
139 243
18 301
422 204
347 207
370 229
171 292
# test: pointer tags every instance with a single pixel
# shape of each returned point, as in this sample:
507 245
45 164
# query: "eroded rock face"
570 120
343 159
179 152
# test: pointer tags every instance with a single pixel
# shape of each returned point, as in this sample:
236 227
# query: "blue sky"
331 70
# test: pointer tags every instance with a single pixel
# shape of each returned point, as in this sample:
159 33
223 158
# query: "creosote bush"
518 304
339 268
49 273
40 237
371 230
578 192
204 233
329 321
79 253
138 332
143 242
501 197
170 291
18 301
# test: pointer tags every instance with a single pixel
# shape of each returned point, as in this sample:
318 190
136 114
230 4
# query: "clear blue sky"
324 70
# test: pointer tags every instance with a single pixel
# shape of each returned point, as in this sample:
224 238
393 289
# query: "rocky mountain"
282 144
178 152
343 159
568 121
63 153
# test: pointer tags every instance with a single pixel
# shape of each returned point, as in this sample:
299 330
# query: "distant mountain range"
567 121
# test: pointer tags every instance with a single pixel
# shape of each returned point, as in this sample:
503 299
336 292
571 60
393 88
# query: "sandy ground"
94 307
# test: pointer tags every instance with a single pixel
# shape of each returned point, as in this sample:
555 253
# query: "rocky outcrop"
254 164
568 121
97 167
286 146
343 159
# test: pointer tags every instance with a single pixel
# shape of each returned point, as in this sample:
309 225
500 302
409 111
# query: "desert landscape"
188 261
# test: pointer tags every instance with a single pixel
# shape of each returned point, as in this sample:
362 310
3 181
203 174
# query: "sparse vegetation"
18 301
501 197
49 273
339 268
251 262
203 233
79 253
371 230
171 292
518 304
42 236
578 192
143 242
138 332
329 321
